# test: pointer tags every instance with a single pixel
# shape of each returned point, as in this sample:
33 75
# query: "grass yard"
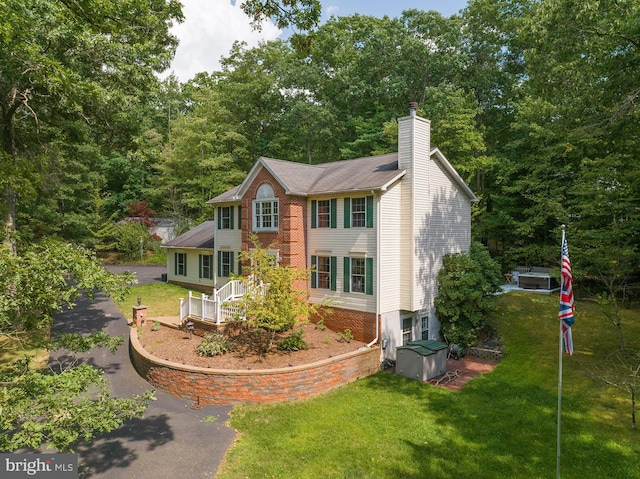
161 299
11 351
501 425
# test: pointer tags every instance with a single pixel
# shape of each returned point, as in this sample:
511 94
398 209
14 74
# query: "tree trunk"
9 219
9 197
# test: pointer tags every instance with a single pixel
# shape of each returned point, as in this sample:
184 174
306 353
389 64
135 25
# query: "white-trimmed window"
424 326
358 275
407 327
225 263
324 213
206 266
180 264
358 212
265 210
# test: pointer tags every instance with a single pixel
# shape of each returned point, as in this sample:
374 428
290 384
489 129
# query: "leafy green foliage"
345 336
61 406
71 81
275 301
467 283
294 341
59 410
302 14
213 345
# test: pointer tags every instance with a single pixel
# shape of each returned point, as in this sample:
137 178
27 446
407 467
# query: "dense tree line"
533 101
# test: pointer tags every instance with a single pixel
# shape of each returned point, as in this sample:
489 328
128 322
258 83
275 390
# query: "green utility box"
422 360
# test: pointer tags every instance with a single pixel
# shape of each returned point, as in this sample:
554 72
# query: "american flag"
566 299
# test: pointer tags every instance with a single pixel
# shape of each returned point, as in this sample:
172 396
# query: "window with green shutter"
205 266
358 212
225 217
324 272
180 264
323 213
225 263
358 275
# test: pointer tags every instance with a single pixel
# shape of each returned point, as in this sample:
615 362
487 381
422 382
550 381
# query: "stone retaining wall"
219 386
484 353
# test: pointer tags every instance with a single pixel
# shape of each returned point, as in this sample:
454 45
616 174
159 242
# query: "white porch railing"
222 306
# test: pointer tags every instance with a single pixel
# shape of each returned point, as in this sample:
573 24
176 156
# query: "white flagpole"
560 374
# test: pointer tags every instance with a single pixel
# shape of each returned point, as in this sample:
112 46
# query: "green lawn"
501 425
161 299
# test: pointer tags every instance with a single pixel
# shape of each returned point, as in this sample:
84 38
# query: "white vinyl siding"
393 280
188 269
342 243
228 240
455 220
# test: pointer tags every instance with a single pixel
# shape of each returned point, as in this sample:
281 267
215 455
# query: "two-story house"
373 229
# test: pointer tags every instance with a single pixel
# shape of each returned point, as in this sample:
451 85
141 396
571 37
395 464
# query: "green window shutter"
239 264
175 264
314 272
185 263
199 266
210 266
314 214
332 274
239 217
347 212
231 209
369 276
219 217
369 211
230 262
219 264
347 275
334 214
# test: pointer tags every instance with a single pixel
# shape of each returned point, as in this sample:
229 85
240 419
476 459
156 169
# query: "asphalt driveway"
172 440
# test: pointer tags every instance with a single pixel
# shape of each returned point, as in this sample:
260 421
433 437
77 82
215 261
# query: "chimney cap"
413 108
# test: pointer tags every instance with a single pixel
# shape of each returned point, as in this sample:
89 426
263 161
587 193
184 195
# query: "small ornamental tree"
272 303
467 283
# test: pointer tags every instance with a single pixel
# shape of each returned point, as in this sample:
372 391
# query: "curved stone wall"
221 386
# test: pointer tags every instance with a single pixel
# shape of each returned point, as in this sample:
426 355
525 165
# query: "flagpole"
559 379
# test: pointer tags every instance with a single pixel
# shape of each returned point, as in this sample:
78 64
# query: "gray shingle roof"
360 174
199 237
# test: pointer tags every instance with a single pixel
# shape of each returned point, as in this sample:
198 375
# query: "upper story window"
225 217
358 212
265 210
323 213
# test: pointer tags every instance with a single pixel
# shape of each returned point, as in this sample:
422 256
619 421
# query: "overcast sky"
211 27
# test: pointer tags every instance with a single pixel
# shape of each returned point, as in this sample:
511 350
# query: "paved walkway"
172 440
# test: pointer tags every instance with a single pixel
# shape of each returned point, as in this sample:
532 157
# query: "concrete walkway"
172 440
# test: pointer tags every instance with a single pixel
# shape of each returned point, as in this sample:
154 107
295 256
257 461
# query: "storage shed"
422 360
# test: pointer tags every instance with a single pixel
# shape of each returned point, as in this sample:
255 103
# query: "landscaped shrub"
213 345
346 336
467 284
294 342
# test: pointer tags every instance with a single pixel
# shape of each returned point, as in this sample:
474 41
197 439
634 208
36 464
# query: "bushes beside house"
467 284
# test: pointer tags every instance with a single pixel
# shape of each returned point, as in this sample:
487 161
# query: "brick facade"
209 386
361 324
290 239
